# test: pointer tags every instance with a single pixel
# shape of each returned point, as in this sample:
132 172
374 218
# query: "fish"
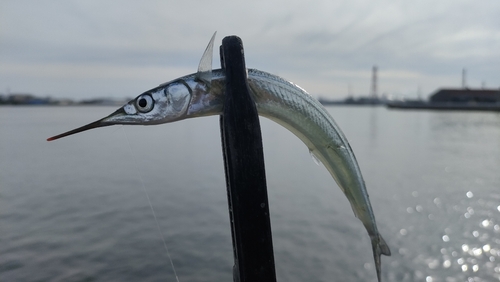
202 94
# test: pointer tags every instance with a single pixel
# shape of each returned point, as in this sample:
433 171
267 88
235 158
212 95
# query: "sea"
79 208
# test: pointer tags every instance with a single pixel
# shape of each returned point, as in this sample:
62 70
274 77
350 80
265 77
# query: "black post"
245 172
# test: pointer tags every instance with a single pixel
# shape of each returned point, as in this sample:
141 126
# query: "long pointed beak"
92 125
99 123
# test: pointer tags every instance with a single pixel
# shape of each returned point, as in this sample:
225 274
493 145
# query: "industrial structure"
466 95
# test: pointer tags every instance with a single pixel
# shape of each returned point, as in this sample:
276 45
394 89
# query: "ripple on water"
468 246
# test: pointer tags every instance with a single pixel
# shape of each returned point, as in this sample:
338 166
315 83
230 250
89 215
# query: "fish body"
293 108
202 94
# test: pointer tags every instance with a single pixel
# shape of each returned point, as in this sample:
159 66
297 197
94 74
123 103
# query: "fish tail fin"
380 247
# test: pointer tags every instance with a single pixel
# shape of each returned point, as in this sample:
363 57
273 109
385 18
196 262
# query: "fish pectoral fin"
380 247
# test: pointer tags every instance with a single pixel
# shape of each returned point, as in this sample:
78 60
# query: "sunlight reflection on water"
465 252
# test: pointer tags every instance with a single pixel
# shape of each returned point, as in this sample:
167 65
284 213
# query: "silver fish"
202 94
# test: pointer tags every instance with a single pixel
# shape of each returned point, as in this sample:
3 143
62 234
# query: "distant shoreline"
60 105
21 99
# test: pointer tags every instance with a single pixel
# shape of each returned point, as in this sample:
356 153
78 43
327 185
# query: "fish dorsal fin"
205 67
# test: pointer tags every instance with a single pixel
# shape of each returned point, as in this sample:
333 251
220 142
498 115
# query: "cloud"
313 45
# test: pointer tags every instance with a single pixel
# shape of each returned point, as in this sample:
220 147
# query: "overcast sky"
88 49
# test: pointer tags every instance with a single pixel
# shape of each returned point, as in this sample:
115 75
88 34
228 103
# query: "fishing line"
151 206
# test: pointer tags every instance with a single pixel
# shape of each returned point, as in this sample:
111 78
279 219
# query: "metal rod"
245 172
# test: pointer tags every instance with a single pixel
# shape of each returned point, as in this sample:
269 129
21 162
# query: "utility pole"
463 78
374 82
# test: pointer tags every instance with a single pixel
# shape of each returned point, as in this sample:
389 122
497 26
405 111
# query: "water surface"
75 209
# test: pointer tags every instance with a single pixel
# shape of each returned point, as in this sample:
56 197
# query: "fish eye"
144 103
